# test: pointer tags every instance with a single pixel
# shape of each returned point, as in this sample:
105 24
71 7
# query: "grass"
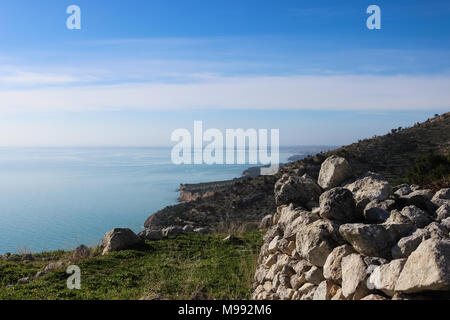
174 268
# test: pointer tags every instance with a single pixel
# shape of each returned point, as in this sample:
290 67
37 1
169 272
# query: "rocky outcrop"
365 241
119 239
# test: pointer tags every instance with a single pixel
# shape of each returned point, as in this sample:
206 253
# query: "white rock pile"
346 239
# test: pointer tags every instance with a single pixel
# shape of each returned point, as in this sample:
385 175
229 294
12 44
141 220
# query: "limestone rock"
446 223
297 281
371 187
374 240
314 275
385 277
266 222
441 197
325 290
403 190
81 252
119 239
339 295
443 212
354 276
333 172
419 217
150 234
332 269
418 198
407 245
338 204
53 266
373 214
297 190
316 240
427 268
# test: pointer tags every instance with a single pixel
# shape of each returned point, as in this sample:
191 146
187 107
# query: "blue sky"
139 69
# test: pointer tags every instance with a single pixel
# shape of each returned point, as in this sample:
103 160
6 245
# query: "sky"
139 69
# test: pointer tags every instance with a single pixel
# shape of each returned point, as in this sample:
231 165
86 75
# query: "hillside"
391 155
192 266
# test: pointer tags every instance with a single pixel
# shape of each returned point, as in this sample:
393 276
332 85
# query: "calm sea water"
58 198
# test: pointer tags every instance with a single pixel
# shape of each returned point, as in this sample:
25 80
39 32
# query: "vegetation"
432 170
189 266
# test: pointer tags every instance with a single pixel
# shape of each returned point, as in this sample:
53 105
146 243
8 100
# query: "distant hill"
391 155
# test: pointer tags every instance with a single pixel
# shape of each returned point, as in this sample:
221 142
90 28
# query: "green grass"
173 268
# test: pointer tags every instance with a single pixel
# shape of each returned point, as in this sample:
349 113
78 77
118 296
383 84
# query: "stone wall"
342 238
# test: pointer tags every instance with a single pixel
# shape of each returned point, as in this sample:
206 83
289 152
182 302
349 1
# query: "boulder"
150 234
417 216
443 212
297 190
338 204
316 241
375 215
375 240
119 239
427 268
325 290
402 190
441 197
396 217
354 277
407 245
334 171
332 268
446 223
371 187
266 222
418 198
297 281
81 252
385 277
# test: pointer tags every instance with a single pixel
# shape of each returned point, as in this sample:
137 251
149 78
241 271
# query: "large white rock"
427 268
334 171
385 277
419 217
332 269
371 187
354 276
316 241
441 197
374 240
298 190
119 239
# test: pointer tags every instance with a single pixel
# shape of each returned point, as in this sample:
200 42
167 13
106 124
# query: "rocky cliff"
343 238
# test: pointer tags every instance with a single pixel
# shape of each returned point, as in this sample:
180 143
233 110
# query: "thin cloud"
352 92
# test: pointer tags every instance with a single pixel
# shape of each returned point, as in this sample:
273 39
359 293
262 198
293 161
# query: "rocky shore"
346 238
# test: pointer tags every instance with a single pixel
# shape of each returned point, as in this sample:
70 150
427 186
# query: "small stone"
314 275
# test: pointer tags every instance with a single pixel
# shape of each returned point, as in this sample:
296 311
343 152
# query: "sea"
59 198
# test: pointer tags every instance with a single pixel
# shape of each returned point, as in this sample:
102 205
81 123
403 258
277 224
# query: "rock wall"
343 238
